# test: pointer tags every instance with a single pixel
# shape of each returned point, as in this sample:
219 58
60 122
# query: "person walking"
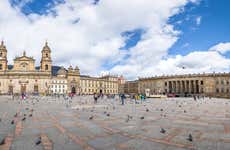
95 98
122 99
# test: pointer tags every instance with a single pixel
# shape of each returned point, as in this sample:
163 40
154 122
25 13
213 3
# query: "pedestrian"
95 98
122 99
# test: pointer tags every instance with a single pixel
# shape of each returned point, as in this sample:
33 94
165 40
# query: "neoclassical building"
209 84
24 77
104 84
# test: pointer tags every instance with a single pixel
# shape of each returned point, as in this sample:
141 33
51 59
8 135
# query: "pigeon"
24 118
131 117
24 114
30 115
2 142
104 112
91 118
38 141
108 115
161 109
163 130
185 111
147 110
12 122
179 105
190 138
142 117
128 118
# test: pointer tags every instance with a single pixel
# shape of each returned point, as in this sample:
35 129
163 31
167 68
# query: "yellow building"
25 77
105 84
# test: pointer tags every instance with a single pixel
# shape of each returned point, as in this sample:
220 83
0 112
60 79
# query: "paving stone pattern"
52 123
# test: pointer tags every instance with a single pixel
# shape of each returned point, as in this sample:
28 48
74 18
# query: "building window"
201 82
217 90
1 54
222 90
47 55
227 91
227 82
217 82
0 66
222 82
46 67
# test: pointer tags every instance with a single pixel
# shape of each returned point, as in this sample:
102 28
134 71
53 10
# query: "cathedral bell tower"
46 62
3 57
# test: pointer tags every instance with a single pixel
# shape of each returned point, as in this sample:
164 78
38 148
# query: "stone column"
190 87
179 86
174 86
194 86
183 86
170 86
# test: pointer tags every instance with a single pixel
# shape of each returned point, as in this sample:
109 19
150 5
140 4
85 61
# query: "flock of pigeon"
23 115
35 100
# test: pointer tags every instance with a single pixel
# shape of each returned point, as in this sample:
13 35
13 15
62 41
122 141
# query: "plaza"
59 123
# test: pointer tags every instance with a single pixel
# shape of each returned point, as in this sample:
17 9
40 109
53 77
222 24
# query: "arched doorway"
23 88
73 90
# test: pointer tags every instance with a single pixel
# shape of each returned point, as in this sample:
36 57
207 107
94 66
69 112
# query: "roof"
24 58
61 71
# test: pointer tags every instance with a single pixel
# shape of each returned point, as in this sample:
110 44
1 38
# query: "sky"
133 38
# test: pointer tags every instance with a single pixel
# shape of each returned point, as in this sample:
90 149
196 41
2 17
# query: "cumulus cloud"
194 62
221 47
90 36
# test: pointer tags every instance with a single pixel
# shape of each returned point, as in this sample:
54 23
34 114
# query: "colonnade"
184 86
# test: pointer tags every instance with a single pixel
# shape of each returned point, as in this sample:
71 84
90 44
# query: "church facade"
25 77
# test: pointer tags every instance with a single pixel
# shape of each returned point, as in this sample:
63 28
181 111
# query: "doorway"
23 88
73 90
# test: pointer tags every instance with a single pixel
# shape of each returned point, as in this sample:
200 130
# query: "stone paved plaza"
46 123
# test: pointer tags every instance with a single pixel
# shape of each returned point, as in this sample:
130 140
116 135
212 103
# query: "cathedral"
24 77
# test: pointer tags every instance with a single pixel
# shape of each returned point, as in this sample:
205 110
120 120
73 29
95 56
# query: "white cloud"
96 38
194 62
198 20
221 47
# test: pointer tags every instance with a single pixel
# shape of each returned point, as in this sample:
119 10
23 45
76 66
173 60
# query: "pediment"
24 58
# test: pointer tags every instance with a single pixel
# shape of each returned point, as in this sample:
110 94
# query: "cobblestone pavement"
46 123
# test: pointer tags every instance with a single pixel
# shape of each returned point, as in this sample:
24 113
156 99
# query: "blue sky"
123 36
214 26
